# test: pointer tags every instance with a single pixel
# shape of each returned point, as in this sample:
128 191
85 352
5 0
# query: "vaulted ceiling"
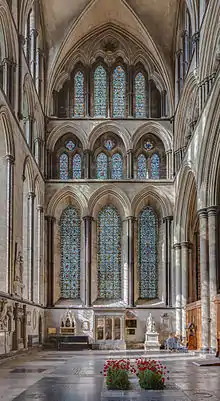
158 16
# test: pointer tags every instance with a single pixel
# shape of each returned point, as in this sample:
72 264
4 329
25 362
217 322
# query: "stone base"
111 345
152 342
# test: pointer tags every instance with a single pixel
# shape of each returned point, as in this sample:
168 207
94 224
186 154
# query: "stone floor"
65 376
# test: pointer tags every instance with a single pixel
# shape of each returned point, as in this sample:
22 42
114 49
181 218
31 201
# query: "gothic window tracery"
79 94
70 253
109 253
100 92
109 158
68 159
119 92
150 163
147 253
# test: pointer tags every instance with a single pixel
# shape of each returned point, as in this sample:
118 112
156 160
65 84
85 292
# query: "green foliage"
150 380
117 379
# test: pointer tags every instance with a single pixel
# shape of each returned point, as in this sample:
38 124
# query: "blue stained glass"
117 167
142 167
70 253
147 246
109 144
119 92
79 95
109 253
102 166
155 167
100 92
64 166
140 95
77 166
70 145
148 145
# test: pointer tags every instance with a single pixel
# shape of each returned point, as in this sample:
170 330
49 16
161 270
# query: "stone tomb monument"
151 335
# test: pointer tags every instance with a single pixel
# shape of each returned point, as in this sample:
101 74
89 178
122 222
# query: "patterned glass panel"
117 167
142 167
147 258
109 144
70 145
77 166
140 95
79 95
70 253
109 253
100 92
102 166
64 166
155 167
119 92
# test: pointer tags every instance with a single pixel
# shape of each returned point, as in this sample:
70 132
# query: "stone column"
88 264
167 221
130 166
212 225
185 270
33 40
87 161
203 222
38 273
169 169
130 92
50 259
131 221
31 233
177 248
10 179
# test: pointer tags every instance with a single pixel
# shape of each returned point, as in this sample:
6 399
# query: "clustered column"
10 175
50 259
168 221
31 197
177 249
131 222
88 245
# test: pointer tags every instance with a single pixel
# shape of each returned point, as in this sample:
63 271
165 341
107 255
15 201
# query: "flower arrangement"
151 374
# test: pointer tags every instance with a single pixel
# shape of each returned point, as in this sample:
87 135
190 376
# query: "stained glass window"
109 144
109 253
64 166
119 92
70 145
147 256
117 167
79 95
102 166
100 92
77 166
70 253
142 167
140 95
148 145
155 167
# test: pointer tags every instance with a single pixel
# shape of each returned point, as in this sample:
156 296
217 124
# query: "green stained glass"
70 253
147 257
140 95
119 92
109 253
79 95
100 92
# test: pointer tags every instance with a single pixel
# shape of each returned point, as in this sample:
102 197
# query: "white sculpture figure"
151 325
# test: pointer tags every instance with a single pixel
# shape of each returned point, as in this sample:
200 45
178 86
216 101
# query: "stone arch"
111 128
59 131
28 173
153 127
28 89
9 34
109 194
186 185
210 40
62 198
208 166
153 197
5 122
38 190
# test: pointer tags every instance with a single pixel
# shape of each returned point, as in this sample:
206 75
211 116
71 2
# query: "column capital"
88 218
130 151
213 210
177 246
50 219
167 218
202 212
196 37
186 244
40 209
10 158
131 218
31 195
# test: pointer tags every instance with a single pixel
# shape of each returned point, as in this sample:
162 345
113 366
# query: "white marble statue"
150 324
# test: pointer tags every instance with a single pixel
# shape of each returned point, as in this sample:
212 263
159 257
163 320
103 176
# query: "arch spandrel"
116 129
152 196
64 197
109 194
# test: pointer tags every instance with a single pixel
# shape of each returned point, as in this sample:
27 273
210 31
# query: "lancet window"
68 162
109 253
109 161
147 253
148 162
70 253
